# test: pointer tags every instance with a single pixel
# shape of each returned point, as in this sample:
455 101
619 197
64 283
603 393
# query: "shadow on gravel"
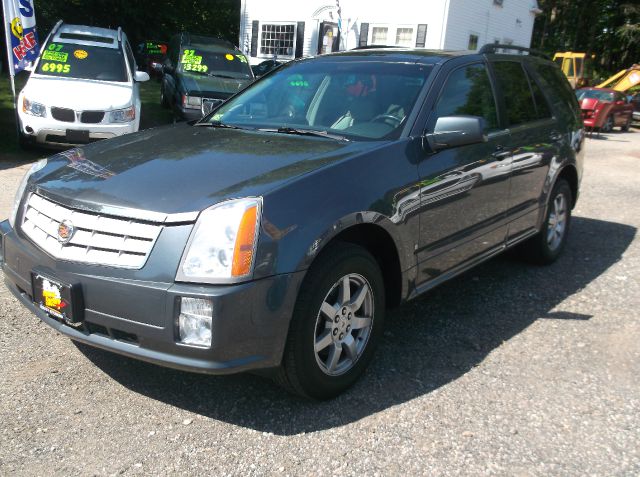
429 342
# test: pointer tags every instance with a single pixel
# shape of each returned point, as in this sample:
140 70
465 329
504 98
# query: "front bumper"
50 132
189 114
136 318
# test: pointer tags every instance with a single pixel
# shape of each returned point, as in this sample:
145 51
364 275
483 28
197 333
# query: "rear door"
534 140
464 190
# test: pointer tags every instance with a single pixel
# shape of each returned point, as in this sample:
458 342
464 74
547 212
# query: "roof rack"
120 34
493 47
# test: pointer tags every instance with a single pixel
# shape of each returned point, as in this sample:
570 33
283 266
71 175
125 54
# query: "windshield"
357 100
71 60
221 62
605 96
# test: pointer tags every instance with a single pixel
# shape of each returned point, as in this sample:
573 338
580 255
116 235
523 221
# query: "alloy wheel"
344 324
556 225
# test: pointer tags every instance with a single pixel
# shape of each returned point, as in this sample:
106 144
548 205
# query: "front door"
464 190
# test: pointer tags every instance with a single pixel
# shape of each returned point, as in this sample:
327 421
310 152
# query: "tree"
609 29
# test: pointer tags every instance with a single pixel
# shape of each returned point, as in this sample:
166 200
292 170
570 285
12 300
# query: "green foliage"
145 19
608 29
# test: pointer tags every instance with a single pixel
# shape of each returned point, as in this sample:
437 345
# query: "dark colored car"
273 234
200 73
151 56
635 101
263 68
612 105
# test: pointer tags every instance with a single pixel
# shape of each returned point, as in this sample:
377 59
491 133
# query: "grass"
152 115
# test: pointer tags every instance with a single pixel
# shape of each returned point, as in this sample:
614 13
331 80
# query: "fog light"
194 322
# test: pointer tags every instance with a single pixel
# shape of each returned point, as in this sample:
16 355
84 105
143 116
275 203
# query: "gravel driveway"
508 370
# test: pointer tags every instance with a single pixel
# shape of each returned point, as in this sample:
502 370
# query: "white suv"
84 87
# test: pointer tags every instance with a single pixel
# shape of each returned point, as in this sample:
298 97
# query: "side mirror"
455 131
141 76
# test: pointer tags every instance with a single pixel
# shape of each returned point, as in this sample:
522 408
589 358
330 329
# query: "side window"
468 92
542 107
621 97
517 93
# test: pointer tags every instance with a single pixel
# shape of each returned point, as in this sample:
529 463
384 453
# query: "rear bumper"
137 318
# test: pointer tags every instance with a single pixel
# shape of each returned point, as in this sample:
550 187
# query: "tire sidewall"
314 381
560 187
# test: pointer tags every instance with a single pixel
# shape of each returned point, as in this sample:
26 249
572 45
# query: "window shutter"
300 40
364 34
254 38
421 36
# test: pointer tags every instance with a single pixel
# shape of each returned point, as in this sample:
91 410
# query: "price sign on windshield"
189 57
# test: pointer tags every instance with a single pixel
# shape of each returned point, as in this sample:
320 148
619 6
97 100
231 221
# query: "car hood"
182 169
201 85
77 94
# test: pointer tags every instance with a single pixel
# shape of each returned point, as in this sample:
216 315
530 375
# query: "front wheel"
545 247
336 323
625 127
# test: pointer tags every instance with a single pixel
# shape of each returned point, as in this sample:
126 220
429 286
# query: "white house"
291 29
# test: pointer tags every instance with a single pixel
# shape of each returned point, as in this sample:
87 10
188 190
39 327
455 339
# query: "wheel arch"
570 174
380 243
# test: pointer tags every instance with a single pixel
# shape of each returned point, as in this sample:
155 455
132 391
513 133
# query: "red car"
603 109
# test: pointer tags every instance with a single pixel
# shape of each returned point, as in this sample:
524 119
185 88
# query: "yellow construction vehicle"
574 67
623 80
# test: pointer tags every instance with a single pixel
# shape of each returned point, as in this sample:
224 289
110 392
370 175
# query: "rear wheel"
545 247
625 127
164 102
607 127
336 324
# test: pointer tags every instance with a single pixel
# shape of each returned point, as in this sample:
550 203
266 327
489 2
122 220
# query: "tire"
546 246
626 126
607 127
163 98
307 367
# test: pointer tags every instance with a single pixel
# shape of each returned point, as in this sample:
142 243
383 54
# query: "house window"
473 42
277 39
379 35
404 36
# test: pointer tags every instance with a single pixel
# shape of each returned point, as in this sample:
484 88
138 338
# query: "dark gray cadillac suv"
273 234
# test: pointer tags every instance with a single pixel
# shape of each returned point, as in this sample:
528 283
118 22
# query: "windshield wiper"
218 124
305 132
216 75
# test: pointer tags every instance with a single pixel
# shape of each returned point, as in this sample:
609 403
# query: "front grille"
92 117
63 114
97 239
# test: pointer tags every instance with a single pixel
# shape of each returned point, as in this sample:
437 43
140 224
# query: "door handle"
501 153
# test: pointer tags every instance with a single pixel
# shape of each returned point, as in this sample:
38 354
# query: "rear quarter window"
558 91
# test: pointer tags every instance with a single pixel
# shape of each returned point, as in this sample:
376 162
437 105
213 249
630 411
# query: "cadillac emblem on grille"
65 231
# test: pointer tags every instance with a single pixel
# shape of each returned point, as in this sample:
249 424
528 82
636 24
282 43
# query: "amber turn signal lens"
243 252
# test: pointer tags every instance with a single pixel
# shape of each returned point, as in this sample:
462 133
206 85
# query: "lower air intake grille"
95 239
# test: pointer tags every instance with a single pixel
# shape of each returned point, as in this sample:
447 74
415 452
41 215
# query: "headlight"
33 108
222 243
123 115
21 188
192 102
